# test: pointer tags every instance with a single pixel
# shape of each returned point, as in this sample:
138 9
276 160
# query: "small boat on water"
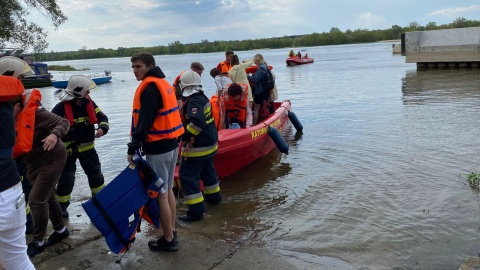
293 61
41 76
97 78
239 147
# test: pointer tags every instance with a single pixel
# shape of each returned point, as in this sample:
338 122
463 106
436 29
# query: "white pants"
13 244
249 119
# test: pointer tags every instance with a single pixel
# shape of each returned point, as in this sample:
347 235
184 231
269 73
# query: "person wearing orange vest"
45 160
13 244
16 67
226 65
195 66
200 143
83 114
236 103
156 127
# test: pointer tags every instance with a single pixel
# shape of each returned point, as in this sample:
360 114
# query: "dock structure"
447 48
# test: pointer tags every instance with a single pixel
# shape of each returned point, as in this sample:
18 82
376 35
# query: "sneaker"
34 249
163 245
56 237
188 218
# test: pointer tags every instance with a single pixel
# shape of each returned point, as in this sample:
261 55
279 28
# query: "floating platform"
447 48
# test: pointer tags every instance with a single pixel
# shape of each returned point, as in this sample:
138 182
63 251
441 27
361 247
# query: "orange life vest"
215 111
168 124
236 110
25 124
225 67
92 116
11 87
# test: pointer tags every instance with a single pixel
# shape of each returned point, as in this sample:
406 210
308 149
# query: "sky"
146 23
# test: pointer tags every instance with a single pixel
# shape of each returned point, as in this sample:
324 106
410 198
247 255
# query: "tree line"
333 37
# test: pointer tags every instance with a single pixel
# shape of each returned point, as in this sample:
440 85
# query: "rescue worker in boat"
13 245
83 114
200 143
291 54
156 127
226 65
236 102
299 55
16 67
195 66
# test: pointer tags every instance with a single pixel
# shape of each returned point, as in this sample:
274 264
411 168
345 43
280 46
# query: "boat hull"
293 61
97 80
239 147
36 82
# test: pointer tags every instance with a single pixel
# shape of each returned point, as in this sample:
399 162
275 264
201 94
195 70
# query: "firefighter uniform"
80 145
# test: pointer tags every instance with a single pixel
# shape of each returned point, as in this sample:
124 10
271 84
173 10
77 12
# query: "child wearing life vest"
83 114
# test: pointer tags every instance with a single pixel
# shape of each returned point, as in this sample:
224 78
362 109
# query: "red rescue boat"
293 61
239 147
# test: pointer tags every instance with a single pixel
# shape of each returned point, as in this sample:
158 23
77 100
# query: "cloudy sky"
140 23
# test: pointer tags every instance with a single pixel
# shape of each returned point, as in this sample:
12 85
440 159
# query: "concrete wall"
449 45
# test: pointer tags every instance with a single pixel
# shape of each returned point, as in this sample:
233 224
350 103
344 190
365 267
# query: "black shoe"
29 225
188 218
163 245
175 236
56 237
34 249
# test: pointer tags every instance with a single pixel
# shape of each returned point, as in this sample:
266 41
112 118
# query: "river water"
376 180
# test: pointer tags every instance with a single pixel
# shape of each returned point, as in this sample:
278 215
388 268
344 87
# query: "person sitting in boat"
291 54
299 55
236 102
239 75
306 55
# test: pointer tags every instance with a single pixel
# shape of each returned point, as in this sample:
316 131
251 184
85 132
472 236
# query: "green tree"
16 30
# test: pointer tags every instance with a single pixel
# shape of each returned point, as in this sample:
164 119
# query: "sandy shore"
202 245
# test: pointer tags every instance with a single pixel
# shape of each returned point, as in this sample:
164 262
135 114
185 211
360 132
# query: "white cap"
77 87
14 66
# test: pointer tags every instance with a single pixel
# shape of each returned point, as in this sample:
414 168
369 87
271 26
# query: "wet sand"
202 245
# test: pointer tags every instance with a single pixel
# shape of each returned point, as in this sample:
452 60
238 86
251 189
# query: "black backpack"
268 81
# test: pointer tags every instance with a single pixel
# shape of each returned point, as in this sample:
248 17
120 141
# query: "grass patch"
473 180
64 68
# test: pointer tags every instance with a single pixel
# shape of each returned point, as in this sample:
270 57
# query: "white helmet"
14 66
190 78
77 87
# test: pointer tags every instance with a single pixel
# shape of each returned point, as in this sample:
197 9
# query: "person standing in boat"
200 143
195 66
226 65
83 114
222 82
291 54
260 95
13 244
156 127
